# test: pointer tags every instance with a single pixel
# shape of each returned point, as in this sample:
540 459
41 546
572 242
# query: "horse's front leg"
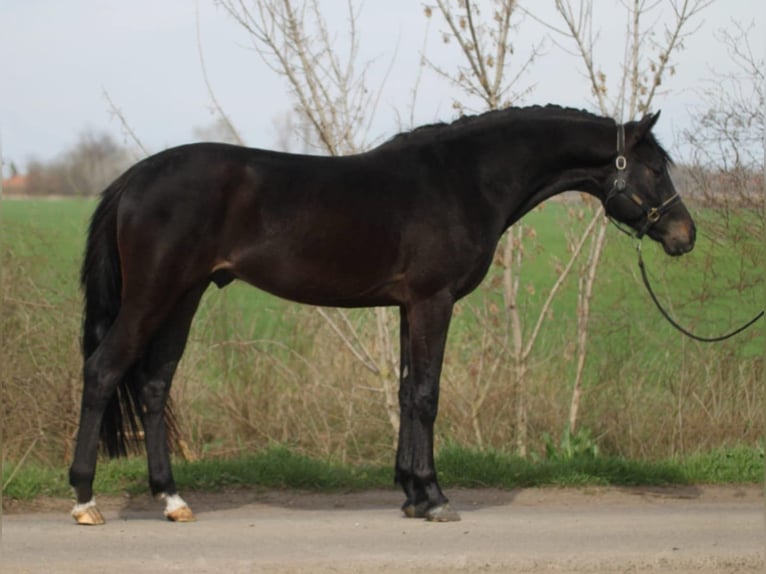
403 470
424 333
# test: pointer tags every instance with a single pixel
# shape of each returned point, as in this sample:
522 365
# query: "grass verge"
280 467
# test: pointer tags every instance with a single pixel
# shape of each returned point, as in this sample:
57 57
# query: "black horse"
413 223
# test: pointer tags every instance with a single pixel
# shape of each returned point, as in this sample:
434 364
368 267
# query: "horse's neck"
558 157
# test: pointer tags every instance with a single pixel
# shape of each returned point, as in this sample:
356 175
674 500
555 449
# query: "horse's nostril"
678 237
684 234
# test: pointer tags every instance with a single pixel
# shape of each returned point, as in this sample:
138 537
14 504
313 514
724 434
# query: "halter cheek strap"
621 143
620 187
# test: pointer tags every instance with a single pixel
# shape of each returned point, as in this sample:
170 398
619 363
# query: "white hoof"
176 509
88 514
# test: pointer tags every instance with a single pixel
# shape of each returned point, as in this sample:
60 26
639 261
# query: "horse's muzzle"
678 237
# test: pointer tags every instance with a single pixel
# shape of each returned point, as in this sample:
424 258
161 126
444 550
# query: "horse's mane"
440 129
430 132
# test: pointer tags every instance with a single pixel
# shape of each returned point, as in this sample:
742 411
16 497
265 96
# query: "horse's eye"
656 170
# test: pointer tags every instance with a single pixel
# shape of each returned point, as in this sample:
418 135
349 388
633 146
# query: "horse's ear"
644 127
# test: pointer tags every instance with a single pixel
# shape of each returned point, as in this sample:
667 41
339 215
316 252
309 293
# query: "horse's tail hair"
101 280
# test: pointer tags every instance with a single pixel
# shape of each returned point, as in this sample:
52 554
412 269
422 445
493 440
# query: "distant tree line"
84 170
92 163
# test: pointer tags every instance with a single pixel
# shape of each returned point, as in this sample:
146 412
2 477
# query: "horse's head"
639 193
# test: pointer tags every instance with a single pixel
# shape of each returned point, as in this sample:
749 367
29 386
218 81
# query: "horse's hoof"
88 515
415 510
181 514
442 513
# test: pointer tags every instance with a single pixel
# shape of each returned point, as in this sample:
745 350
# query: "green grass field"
711 289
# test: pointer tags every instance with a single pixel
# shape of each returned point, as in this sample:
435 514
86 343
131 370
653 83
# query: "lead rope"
676 325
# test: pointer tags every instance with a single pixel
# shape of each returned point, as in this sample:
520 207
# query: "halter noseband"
651 214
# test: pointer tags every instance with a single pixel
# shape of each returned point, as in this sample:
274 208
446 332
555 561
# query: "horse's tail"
101 280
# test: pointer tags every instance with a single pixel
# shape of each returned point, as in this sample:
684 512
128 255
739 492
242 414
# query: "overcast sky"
59 56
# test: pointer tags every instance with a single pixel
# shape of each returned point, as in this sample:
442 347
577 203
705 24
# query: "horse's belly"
322 281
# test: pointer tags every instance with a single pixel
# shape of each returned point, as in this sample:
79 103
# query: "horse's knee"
154 395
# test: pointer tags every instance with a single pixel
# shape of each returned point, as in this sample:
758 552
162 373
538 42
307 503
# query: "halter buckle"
653 215
621 163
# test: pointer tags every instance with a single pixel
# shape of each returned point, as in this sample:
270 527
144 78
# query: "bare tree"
646 63
488 72
729 132
331 90
224 125
127 129
724 163
491 75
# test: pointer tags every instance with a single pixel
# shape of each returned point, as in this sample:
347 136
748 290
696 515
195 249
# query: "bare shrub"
39 364
236 393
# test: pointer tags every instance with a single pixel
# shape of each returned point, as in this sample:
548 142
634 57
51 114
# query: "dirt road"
680 530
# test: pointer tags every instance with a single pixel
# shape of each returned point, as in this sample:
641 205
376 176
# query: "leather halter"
620 187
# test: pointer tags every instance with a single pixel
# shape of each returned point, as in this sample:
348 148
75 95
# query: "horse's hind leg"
158 365
142 313
102 372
